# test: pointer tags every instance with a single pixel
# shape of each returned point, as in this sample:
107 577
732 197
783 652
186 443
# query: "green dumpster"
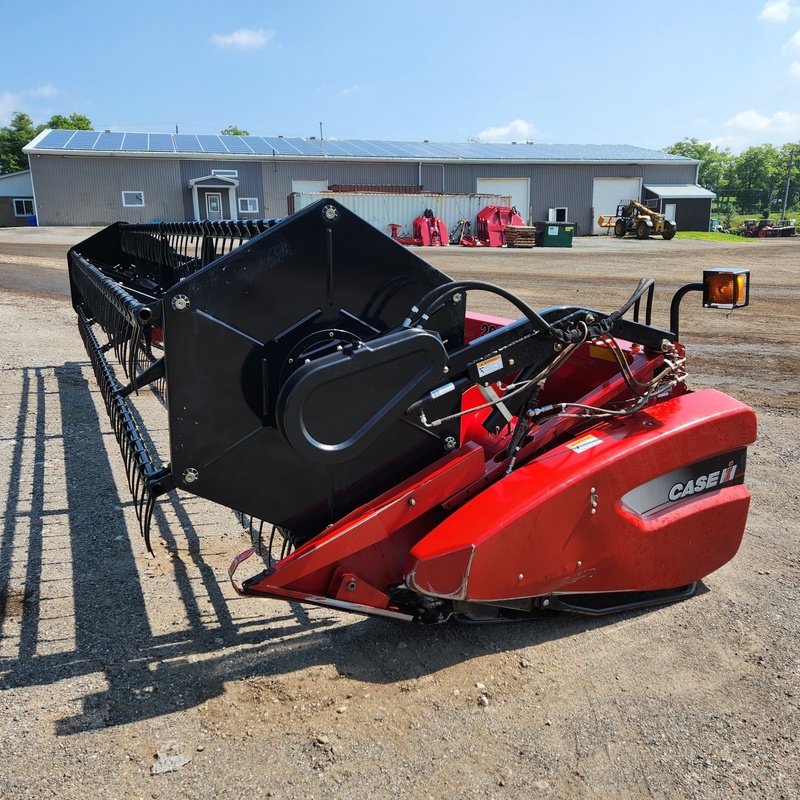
554 234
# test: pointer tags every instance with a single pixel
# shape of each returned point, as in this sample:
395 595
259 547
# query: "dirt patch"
123 675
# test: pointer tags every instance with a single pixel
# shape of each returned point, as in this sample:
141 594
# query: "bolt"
580 564
351 586
666 345
190 475
181 302
411 501
545 602
329 213
450 443
590 318
520 576
558 347
456 298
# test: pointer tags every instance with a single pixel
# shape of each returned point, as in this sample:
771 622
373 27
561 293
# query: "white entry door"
518 189
669 210
213 205
608 193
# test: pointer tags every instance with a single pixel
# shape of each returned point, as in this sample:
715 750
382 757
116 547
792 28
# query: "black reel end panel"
288 372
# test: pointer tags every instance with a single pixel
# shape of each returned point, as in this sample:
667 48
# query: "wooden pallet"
519 236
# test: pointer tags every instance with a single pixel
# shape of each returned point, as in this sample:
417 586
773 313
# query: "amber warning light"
726 288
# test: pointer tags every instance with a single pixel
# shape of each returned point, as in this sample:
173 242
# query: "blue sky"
564 72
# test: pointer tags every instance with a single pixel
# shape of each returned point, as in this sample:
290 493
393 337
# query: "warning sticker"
490 365
584 443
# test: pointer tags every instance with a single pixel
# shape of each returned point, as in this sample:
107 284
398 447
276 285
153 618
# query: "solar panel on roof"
211 143
370 148
109 140
56 139
333 148
394 151
305 147
161 143
279 145
187 143
83 140
135 141
235 144
258 145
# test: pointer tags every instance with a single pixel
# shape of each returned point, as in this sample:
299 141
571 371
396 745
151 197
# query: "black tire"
642 229
619 229
669 231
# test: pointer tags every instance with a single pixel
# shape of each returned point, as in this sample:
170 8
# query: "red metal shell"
559 524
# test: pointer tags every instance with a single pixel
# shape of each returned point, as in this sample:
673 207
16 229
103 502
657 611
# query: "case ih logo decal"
699 478
703 483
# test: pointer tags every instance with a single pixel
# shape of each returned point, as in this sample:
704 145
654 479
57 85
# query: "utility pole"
788 178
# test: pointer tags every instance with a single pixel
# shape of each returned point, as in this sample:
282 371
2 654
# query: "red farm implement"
412 459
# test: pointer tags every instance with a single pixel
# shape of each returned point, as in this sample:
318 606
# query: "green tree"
757 176
232 130
21 131
13 137
789 170
715 169
74 122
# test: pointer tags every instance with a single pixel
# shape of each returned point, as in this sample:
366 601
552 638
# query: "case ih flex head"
413 460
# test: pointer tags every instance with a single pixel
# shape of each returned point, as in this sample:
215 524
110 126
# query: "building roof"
217 146
679 191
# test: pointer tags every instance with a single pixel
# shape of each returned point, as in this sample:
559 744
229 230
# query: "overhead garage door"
518 189
608 193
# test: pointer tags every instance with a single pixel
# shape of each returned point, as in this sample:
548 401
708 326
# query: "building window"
23 208
133 199
248 205
225 173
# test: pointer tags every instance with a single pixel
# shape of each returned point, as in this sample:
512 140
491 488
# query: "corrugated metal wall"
87 190
250 177
71 190
278 176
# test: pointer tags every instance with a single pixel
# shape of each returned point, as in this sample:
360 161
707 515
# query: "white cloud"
44 91
10 102
777 11
751 121
793 43
243 39
516 131
8 105
794 70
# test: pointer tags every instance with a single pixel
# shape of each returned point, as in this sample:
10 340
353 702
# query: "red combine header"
398 454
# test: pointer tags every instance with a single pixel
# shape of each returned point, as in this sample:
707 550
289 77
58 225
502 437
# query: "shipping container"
384 210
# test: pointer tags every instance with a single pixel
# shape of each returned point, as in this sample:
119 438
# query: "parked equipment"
493 221
638 219
766 228
413 459
428 231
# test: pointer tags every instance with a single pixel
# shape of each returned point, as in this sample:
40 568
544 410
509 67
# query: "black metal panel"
237 330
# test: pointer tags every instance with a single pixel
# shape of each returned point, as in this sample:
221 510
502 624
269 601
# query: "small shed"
688 204
16 199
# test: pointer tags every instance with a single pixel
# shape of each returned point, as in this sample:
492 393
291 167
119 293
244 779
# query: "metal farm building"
96 178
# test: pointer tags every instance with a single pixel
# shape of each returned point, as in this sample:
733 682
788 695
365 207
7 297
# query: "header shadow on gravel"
147 674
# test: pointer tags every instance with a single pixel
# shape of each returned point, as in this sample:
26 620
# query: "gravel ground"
147 677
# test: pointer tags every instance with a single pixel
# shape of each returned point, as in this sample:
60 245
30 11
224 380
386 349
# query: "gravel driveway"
123 675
